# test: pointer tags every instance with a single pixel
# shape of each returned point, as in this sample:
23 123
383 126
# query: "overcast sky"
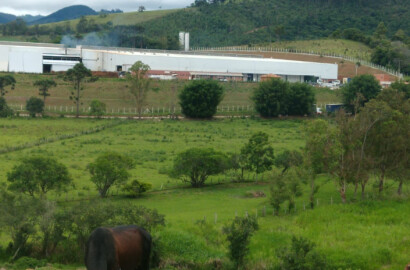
46 7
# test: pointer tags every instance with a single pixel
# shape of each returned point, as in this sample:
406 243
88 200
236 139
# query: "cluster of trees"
195 165
393 51
38 228
35 176
230 23
277 97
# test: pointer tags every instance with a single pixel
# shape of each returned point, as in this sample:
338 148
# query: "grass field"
115 94
325 46
372 234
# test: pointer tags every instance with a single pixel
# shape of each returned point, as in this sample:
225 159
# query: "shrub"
239 234
97 108
136 188
277 97
195 165
29 263
5 110
301 255
110 169
301 99
359 91
201 98
34 106
270 97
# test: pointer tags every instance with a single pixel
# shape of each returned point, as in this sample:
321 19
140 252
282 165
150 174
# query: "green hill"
67 13
256 21
129 18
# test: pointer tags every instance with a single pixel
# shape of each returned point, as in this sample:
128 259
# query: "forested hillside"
220 22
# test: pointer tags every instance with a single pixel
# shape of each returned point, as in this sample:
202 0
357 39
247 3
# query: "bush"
195 165
239 235
97 108
110 169
29 263
5 110
359 91
270 98
301 256
301 100
34 106
277 97
201 98
136 188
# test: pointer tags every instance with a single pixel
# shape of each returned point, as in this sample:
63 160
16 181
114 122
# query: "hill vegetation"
5 18
65 14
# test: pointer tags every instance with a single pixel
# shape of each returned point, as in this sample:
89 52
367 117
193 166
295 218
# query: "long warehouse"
45 58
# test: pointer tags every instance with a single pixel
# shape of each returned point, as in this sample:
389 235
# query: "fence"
263 211
296 51
147 111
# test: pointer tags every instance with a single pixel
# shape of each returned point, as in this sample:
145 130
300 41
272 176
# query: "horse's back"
133 247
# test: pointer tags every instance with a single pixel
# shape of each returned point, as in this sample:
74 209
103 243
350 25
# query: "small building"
385 80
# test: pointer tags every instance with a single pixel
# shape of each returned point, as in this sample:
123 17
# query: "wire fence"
298 51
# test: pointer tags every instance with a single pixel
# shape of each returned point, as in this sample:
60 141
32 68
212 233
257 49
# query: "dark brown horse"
124 247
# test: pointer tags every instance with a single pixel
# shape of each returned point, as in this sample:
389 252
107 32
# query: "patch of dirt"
346 69
255 194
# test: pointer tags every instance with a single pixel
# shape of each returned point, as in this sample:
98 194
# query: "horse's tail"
147 246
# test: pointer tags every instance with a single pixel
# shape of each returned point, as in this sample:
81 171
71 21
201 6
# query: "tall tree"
43 86
139 84
110 169
321 154
388 138
38 175
258 153
365 85
6 80
195 165
78 75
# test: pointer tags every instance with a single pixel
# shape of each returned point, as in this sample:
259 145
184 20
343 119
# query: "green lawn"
373 234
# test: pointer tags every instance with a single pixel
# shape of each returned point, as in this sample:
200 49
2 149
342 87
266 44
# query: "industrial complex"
46 58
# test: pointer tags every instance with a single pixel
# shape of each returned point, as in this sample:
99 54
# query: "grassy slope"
325 46
115 94
369 235
128 18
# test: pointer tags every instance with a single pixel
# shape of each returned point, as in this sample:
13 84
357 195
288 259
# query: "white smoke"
91 39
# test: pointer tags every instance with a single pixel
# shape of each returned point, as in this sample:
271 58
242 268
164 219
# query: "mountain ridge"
67 13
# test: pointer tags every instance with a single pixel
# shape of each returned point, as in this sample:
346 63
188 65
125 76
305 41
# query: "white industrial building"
44 58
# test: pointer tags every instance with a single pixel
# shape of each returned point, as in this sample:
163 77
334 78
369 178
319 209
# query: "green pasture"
370 234
115 94
325 46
